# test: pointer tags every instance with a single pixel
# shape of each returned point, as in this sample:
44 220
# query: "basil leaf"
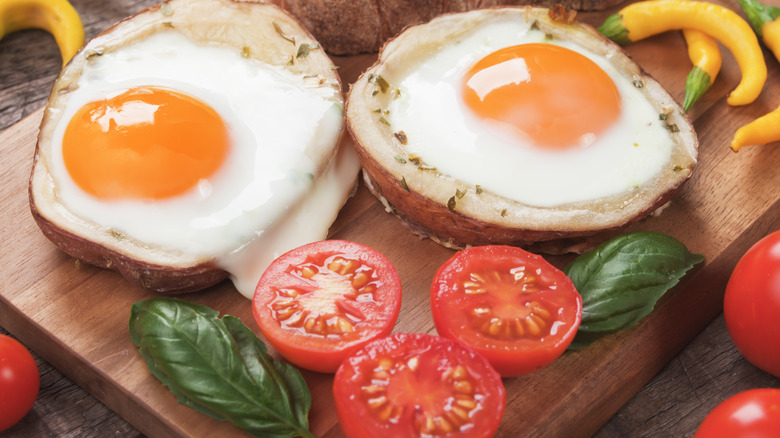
621 280
220 368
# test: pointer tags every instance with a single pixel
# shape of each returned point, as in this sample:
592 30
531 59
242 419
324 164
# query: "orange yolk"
146 143
555 96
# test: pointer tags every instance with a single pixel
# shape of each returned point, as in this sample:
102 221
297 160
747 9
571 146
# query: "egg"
197 140
512 126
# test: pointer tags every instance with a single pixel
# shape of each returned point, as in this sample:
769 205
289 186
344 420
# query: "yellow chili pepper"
763 130
650 17
58 17
704 53
765 21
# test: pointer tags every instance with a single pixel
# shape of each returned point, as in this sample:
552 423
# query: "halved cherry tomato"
418 385
751 306
318 303
19 381
512 306
753 413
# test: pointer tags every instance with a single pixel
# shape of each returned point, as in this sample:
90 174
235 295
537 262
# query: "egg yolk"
146 143
555 96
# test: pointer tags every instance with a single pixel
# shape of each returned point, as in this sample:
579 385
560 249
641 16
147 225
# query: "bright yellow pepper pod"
763 130
646 18
704 53
58 17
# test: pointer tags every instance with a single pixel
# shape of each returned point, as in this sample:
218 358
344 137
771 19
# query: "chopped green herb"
672 127
380 82
94 55
304 49
451 204
282 34
401 137
166 9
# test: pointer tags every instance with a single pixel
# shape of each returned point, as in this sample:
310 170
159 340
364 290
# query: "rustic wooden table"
673 403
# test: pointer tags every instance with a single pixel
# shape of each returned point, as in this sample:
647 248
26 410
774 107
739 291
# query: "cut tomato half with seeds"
418 385
321 301
512 306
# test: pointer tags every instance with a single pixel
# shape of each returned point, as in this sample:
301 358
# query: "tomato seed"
308 272
459 372
372 389
360 280
444 425
413 363
467 403
533 327
463 387
461 413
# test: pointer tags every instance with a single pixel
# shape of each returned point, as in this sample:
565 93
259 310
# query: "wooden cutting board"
76 316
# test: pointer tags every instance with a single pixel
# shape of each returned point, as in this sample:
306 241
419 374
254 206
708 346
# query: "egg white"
282 128
445 134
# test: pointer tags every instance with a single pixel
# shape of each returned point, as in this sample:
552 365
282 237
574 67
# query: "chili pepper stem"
758 14
613 29
696 84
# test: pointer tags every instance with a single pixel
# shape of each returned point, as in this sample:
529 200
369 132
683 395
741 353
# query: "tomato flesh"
751 305
319 302
19 381
753 413
512 306
412 385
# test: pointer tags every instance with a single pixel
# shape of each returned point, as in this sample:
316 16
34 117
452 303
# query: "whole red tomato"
753 413
751 305
19 381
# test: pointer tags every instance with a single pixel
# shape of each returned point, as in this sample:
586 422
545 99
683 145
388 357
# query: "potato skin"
430 219
159 278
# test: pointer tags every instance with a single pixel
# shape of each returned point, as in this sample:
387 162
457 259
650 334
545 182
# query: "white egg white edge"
364 112
305 220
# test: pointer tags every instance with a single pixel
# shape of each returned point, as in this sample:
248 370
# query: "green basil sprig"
622 279
219 367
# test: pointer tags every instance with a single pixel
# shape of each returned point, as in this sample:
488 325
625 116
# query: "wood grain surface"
75 316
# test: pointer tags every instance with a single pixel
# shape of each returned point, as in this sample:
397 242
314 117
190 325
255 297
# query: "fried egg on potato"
196 140
510 126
